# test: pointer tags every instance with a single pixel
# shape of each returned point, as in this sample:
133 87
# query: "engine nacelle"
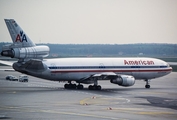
124 80
27 52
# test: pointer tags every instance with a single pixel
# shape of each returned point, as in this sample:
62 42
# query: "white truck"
23 78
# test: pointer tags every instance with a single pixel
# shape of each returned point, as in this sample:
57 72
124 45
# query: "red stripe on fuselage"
75 71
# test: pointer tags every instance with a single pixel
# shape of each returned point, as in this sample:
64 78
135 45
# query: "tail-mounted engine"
26 52
124 80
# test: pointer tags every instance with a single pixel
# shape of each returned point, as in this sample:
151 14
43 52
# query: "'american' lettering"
138 62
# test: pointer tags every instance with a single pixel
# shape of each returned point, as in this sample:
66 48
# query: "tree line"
113 50
116 50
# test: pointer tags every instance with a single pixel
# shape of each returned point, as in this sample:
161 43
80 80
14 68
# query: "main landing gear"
95 86
147 84
73 86
80 86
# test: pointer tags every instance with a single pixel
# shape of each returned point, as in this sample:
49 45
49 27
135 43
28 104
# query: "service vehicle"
23 78
8 77
11 78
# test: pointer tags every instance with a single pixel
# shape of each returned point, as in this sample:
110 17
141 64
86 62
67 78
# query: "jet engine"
124 80
27 52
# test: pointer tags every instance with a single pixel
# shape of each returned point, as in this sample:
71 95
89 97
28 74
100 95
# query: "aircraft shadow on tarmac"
112 91
103 91
30 89
160 102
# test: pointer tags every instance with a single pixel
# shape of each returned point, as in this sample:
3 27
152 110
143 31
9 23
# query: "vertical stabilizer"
19 37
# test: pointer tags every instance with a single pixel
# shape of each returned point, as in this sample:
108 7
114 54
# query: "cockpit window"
168 65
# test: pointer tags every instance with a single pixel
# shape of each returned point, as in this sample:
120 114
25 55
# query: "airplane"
121 71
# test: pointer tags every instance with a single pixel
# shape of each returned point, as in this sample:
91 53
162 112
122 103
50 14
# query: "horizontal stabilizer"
6 63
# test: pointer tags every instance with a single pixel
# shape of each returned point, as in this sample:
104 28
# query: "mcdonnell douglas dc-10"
120 71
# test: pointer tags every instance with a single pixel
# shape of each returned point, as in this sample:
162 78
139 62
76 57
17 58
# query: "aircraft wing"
6 63
99 76
33 64
105 75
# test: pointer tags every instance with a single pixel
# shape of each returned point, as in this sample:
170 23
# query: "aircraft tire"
147 86
70 86
66 86
90 87
93 87
98 87
80 87
73 86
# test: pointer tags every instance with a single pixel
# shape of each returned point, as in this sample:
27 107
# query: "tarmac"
41 99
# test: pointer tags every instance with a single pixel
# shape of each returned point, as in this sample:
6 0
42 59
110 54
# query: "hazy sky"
92 21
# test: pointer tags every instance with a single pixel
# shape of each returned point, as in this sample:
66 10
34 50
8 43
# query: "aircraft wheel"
147 86
98 87
70 86
73 86
90 87
66 86
94 87
80 87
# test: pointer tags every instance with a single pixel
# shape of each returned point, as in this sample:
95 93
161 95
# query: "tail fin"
22 48
18 36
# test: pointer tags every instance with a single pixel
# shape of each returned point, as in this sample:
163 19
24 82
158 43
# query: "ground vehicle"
8 77
23 78
11 78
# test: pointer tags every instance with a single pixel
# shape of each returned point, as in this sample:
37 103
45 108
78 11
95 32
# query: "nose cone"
164 68
168 68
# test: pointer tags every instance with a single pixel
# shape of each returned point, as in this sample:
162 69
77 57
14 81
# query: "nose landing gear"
147 84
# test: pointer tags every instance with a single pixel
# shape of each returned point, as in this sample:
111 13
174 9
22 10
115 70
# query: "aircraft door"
135 71
101 66
54 67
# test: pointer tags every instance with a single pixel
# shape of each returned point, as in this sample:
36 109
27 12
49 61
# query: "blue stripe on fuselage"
102 67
